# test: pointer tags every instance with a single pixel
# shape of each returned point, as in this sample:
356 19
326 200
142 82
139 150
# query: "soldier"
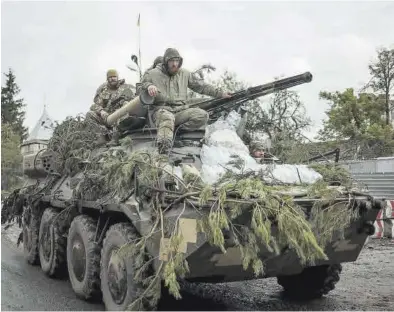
172 81
256 148
158 60
109 97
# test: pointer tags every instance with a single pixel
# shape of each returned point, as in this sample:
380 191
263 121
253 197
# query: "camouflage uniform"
108 99
174 89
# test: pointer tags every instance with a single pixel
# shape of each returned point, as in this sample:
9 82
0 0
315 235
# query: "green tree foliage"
230 82
200 74
11 158
382 81
356 118
284 113
12 108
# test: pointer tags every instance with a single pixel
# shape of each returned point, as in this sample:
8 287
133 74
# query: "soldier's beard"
173 70
113 83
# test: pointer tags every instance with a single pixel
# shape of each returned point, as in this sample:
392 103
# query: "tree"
12 111
11 158
199 74
382 80
285 113
357 119
350 116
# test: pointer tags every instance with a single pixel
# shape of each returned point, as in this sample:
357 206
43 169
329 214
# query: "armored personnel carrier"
125 222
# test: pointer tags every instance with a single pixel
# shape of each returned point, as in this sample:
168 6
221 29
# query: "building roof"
43 129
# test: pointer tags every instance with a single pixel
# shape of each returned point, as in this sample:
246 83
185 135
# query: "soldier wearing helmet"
172 81
158 60
109 97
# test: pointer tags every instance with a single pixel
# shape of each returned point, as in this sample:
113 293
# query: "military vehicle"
72 227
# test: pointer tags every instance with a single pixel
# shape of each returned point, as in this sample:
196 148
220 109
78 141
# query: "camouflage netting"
110 174
73 140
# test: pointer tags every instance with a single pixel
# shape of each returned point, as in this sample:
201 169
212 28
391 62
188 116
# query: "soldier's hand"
152 90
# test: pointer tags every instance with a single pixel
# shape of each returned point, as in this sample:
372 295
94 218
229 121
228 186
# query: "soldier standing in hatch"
172 82
109 97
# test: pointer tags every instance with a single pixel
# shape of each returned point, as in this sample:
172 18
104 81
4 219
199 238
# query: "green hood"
169 54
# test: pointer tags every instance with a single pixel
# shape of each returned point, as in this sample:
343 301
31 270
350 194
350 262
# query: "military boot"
115 138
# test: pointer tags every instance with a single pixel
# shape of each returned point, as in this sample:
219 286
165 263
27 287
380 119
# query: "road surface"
366 284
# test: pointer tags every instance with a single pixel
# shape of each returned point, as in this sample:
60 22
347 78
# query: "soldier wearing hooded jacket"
172 82
158 60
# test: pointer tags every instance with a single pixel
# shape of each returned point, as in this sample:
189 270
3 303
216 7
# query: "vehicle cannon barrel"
252 93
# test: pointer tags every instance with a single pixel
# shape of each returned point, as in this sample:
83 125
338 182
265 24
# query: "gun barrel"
127 108
258 91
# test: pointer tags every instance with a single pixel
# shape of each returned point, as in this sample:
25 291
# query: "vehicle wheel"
118 273
52 245
312 282
30 230
83 258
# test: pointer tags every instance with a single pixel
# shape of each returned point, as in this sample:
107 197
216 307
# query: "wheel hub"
46 243
117 279
78 258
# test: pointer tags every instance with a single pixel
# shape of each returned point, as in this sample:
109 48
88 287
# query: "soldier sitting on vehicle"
109 97
158 60
172 81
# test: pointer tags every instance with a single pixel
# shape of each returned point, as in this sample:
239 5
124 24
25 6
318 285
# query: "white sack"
222 141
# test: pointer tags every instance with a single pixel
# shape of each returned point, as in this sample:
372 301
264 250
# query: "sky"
60 51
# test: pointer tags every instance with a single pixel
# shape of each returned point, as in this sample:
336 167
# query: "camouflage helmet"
157 60
256 145
112 73
170 54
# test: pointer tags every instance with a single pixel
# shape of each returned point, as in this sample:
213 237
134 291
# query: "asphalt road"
367 284
25 287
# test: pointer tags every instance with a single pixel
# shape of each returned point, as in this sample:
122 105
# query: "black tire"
83 258
312 282
124 290
52 245
30 230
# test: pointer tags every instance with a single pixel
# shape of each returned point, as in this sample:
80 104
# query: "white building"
39 136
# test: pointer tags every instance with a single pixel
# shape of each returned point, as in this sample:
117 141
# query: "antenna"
139 44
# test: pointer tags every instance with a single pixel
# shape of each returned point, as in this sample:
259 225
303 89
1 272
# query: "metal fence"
376 174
